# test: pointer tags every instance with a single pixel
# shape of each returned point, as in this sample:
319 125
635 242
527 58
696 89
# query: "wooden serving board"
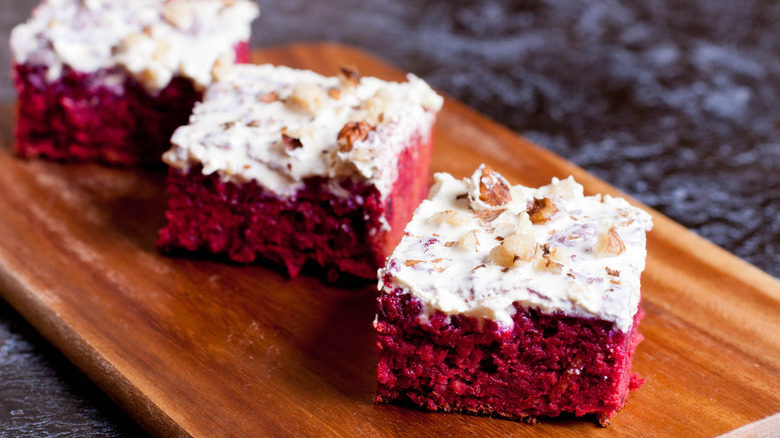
198 347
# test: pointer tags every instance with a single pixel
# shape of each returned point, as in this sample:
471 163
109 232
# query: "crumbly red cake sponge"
545 365
341 233
83 117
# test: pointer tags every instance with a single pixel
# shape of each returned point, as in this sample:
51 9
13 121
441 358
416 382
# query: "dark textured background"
677 103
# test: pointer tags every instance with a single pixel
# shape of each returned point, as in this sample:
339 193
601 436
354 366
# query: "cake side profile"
513 301
111 81
296 167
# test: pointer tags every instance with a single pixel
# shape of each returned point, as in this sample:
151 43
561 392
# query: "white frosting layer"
153 40
238 128
452 260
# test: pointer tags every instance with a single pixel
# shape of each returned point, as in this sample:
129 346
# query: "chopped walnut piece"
412 262
255 124
559 254
487 216
375 107
450 217
612 272
290 143
131 41
351 133
515 247
269 97
480 266
349 76
541 210
500 256
552 259
546 264
449 244
493 188
469 241
309 97
610 244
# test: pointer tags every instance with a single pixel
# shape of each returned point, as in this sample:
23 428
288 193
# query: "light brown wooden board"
209 349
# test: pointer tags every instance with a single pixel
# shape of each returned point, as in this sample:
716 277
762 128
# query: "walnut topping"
255 124
412 262
352 133
450 217
131 41
546 264
515 247
612 272
493 188
309 97
290 143
469 241
449 244
373 109
349 76
480 266
269 97
610 244
487 216
541 210
552 259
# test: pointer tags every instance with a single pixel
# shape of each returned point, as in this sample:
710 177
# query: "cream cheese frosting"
477 246
153 40
278 126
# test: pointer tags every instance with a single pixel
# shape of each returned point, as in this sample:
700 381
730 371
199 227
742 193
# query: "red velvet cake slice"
513 301
111 80
295 167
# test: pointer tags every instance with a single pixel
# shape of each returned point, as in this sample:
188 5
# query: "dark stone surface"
42 394
677 103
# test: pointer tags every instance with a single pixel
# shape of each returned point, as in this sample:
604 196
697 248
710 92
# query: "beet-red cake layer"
296 167
545 365
111 82
343 231
513 301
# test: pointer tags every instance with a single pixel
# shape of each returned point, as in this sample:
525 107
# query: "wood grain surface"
203 348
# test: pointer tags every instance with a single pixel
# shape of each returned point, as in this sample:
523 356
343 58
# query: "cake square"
110 81
297 167
513 301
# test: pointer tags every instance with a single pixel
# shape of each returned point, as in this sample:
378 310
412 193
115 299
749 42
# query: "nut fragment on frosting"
610 244
493 188
541 247
352 133
541 210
